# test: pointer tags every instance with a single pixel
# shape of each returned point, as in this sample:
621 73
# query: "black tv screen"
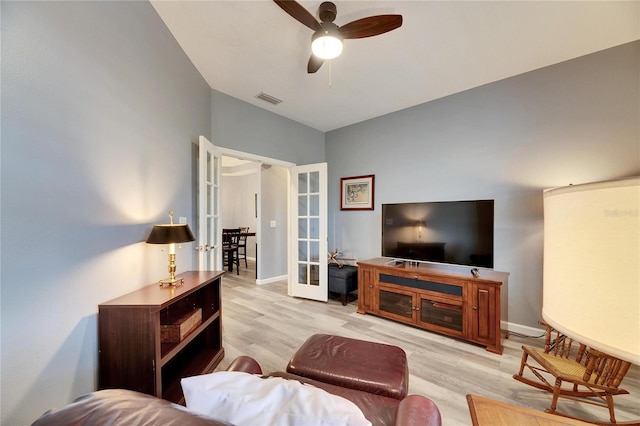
457 232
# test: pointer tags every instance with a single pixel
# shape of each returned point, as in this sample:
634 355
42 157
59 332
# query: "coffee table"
489 412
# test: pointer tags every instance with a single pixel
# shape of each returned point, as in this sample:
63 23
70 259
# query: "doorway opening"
254 194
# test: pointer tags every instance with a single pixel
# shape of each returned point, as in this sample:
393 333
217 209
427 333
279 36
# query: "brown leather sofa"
378 388
121 407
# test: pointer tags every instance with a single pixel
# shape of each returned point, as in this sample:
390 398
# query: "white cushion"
246 399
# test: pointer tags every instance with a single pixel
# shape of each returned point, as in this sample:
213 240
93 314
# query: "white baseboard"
521 329
271 280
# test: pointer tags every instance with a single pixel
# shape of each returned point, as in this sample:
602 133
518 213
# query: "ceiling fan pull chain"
330 75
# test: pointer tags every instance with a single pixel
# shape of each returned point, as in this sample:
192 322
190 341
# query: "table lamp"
172 234
591 279
420 224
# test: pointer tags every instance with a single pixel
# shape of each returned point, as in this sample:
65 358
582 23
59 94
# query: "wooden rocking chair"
590 376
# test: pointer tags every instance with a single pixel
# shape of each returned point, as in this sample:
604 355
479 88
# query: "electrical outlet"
272 224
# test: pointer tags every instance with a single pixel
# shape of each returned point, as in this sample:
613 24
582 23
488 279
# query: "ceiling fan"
326 42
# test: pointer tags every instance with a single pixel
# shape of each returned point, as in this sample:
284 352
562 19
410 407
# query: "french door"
209 243
308 238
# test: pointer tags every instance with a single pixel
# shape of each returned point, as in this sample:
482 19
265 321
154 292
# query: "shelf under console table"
151 338
446 299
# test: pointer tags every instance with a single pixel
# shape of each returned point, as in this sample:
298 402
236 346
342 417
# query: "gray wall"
100 110
574 122
244 127
272 255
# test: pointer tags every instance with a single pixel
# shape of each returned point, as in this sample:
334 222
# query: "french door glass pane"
314 205
210 228
302 228
303 252
213 169
315 275
302 205
314 182
314 225
302 274
302 183
314 251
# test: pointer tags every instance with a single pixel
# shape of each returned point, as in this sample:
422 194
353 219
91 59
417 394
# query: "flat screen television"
457 232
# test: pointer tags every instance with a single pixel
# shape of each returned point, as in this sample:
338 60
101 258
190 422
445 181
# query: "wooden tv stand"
446 299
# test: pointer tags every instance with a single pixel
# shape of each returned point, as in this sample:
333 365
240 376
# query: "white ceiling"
243 48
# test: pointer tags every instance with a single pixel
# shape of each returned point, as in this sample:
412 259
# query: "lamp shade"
170 233
591 289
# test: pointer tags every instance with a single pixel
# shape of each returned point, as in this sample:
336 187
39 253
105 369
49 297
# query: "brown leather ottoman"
356 364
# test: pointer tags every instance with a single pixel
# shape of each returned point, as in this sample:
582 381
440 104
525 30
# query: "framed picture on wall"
356 193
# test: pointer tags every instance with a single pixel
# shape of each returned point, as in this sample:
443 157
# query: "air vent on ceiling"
268 98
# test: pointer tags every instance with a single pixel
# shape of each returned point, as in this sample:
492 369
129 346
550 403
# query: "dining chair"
242 244
230 239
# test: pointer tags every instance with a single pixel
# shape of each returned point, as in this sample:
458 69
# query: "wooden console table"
489 412
446 299
131 351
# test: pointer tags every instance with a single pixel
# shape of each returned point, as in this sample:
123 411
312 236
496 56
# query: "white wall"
238 203
574 122
100 111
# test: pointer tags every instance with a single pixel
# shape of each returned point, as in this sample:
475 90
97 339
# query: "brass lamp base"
172 281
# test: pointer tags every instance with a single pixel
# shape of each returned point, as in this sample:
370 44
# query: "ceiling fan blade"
299 13
371 26
314 64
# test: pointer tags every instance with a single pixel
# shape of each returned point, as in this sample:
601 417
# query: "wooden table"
489 412
251 234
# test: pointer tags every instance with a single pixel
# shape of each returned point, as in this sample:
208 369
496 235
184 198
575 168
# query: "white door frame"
292 263
253 157
268 161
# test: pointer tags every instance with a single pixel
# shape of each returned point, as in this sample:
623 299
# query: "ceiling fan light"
326 45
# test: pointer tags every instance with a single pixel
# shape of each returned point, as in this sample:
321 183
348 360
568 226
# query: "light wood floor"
263 322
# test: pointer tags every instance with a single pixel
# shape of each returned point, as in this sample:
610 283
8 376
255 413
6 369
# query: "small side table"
489 412
343 280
